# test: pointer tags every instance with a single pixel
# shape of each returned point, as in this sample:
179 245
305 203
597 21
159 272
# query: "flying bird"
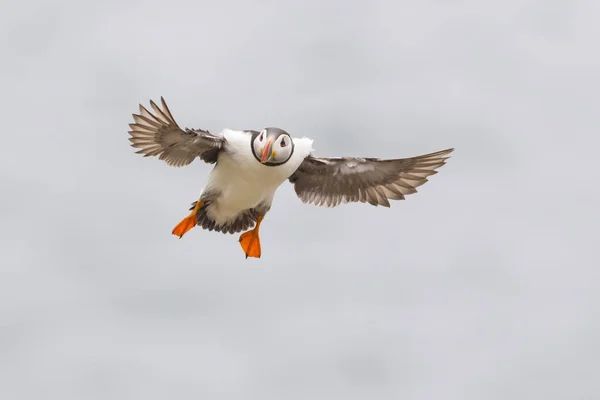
250 165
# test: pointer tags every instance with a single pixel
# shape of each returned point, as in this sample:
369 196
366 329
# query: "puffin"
250 165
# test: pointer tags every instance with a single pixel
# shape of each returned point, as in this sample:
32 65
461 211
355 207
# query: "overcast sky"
484 285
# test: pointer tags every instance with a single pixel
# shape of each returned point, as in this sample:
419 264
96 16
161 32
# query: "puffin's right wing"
331 181
159 135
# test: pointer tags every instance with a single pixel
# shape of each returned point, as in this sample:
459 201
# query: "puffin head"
272 146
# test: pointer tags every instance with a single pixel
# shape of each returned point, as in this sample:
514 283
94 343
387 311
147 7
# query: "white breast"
243 181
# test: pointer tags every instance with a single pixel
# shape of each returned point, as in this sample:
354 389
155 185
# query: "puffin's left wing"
159 135
331 181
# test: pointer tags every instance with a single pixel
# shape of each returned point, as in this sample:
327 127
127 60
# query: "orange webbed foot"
188 222
184 226
250 242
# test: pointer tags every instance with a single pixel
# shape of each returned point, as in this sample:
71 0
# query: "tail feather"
242 222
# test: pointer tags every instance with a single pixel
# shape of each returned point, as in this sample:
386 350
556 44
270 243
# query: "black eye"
283 143
261 137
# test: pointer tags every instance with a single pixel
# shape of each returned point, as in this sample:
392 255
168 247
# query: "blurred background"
484 285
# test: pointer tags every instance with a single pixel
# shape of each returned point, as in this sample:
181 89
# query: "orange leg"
188 222
250 241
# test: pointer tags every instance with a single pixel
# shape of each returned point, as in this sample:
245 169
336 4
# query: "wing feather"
332 181
159 135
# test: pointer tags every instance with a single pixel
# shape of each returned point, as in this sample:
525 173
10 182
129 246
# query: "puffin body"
250 165
240 183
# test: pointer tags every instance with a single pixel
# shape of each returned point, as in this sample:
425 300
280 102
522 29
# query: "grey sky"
484 285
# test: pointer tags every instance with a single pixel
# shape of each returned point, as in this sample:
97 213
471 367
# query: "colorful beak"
267 154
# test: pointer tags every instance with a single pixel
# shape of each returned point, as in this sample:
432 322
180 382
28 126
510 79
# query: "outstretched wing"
331 181
159 135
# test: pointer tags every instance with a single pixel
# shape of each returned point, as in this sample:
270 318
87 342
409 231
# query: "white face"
272 146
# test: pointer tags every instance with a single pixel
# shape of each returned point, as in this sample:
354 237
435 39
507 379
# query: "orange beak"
267 154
